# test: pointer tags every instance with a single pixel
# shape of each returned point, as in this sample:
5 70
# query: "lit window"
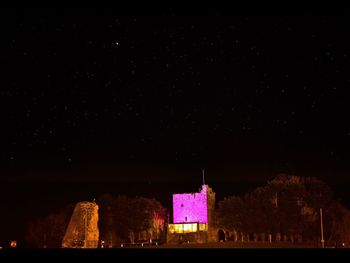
202 227
171 228
190 227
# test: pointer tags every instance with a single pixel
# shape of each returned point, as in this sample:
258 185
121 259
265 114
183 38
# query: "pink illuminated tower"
191 208
192 216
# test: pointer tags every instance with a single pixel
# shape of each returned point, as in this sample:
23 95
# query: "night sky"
139 103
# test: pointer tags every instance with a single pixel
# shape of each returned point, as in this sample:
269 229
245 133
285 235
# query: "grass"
231 244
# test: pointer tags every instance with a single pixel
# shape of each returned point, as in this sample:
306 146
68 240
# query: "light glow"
187 228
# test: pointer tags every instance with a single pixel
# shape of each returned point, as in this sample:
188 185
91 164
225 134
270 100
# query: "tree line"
121 219
287 208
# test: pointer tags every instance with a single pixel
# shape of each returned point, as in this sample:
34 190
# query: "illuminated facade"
190 207
192 216
187 227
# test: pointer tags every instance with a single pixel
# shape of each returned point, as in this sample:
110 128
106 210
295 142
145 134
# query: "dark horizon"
38 200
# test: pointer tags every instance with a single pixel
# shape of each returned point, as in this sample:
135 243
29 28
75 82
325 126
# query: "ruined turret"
82 231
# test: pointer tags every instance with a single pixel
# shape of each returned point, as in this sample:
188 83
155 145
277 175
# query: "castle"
193 217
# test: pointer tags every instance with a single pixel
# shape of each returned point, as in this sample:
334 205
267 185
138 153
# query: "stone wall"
196 237
195 207
191 207
82 230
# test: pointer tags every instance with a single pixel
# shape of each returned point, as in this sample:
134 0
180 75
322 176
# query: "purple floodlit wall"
190 207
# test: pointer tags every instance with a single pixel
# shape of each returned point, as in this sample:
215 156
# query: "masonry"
193 217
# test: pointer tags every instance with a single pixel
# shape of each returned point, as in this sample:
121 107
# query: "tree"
105 222
287 206
288 194
342 230
48 231
230 213
127 217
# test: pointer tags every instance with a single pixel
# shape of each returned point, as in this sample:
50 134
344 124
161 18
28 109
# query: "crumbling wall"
82 230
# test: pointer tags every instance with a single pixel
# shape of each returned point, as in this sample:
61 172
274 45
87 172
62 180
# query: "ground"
231 244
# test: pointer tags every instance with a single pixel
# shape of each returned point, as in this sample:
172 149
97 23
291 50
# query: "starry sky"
102 98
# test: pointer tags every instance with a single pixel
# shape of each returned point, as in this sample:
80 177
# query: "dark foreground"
174 253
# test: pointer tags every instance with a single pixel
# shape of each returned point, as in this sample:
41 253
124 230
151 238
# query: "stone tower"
211 214
193 217
82 230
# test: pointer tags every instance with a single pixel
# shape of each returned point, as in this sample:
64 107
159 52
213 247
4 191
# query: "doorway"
221 235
